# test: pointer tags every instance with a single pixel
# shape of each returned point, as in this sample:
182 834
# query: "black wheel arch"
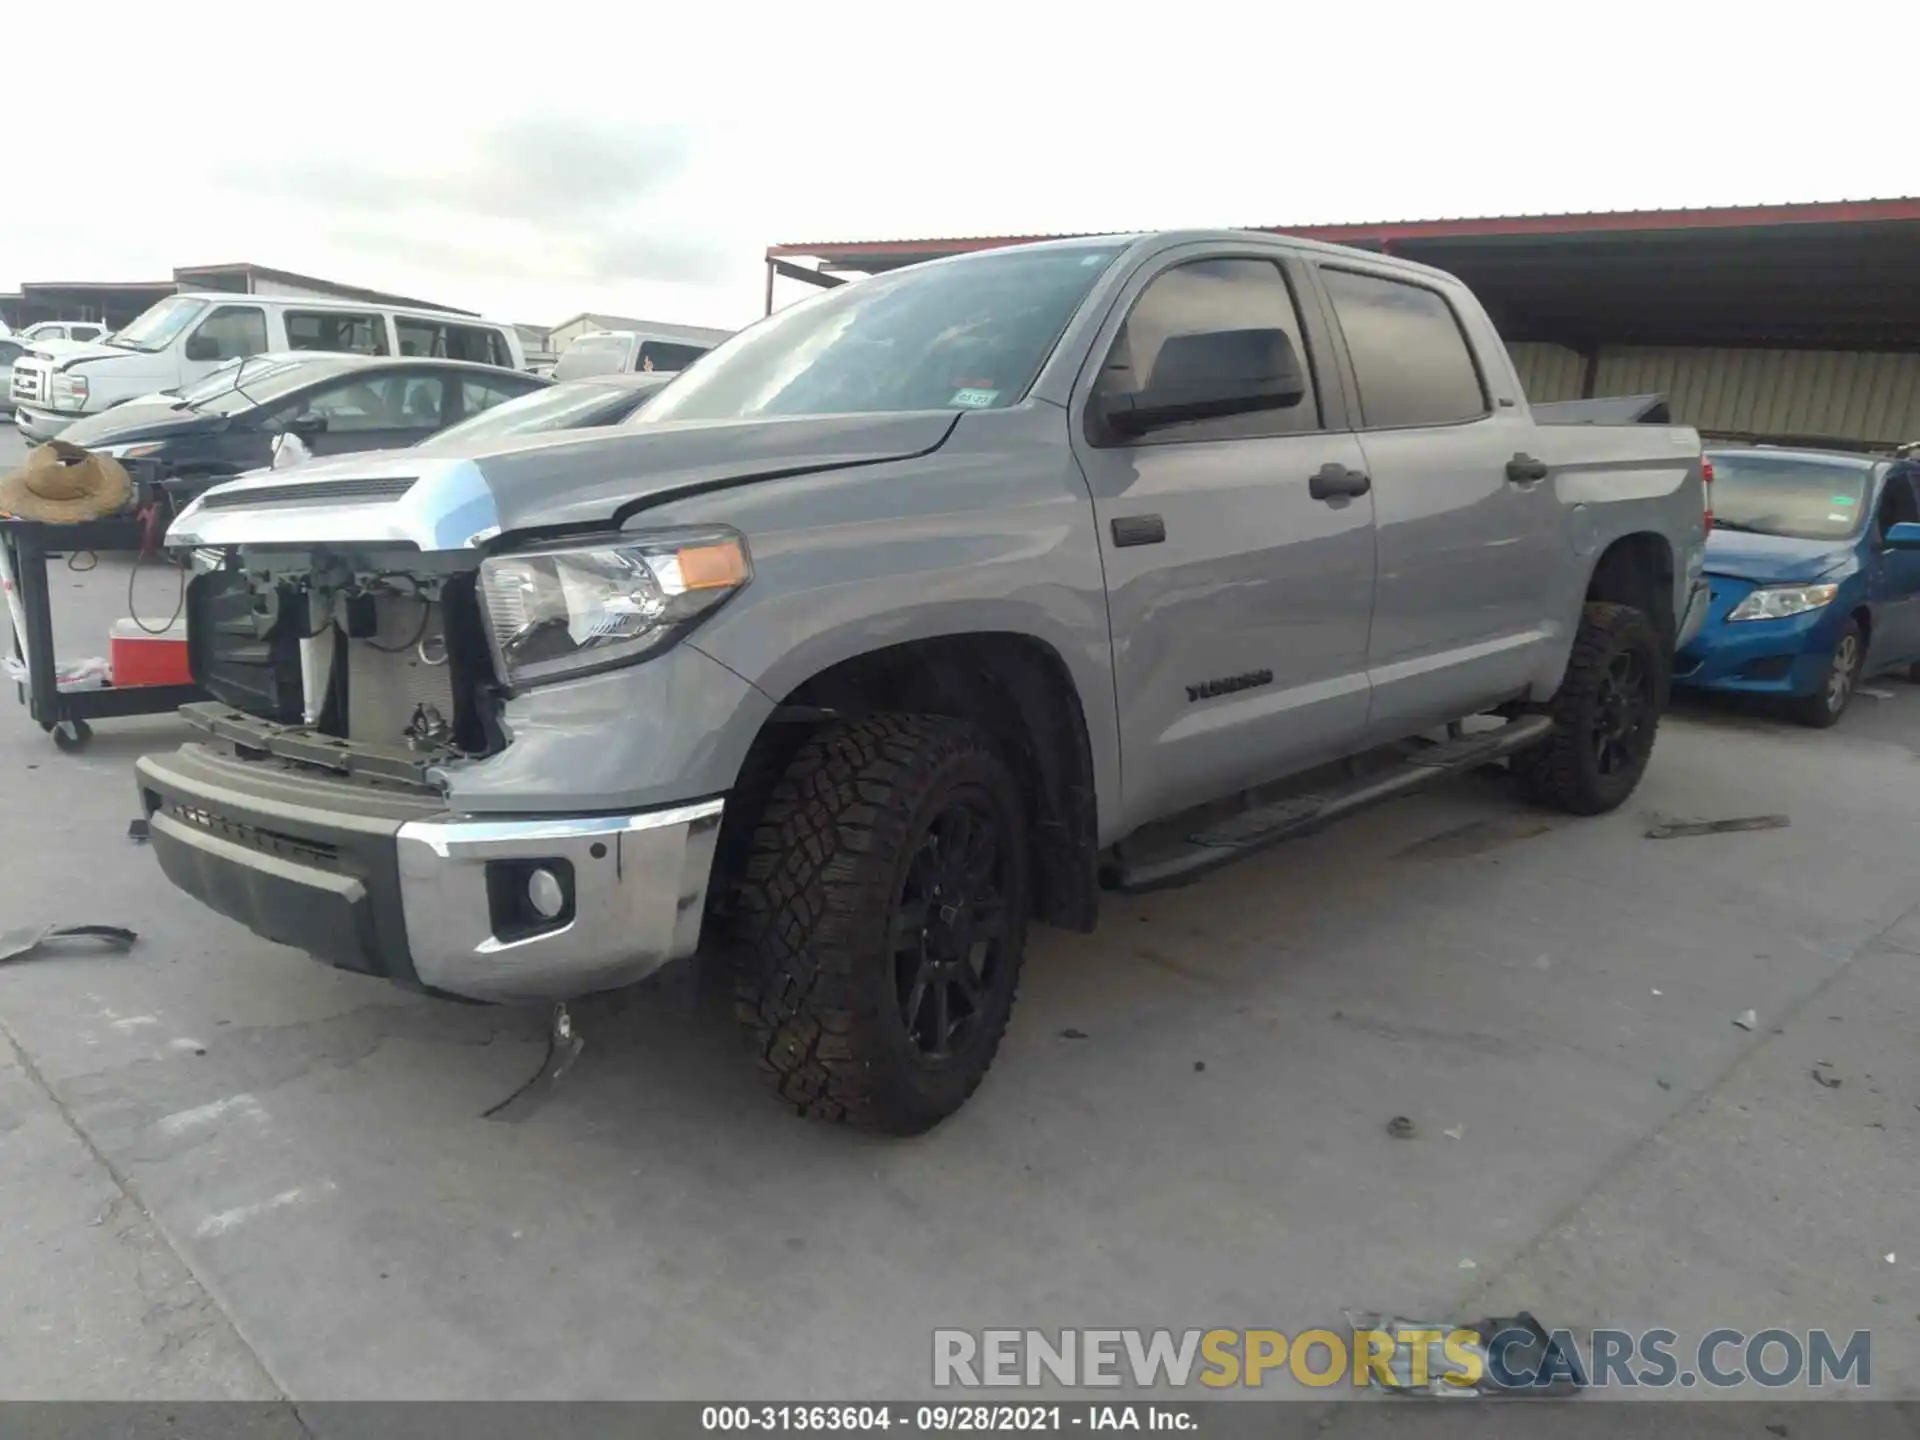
1016 688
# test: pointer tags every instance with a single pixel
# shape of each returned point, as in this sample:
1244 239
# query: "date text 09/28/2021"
948 1419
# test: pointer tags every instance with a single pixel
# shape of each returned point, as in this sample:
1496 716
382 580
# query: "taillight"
1706 487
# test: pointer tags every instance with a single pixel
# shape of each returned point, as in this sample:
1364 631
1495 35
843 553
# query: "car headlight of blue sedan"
1777 602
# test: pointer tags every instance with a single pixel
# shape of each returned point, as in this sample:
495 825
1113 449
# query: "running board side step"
1204 851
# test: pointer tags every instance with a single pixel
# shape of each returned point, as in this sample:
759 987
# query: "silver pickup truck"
915 613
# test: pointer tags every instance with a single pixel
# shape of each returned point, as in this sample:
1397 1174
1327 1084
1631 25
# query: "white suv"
183 337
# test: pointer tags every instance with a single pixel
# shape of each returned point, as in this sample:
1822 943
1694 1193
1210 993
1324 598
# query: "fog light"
546 894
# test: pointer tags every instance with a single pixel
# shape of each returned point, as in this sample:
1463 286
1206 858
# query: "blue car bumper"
1759 657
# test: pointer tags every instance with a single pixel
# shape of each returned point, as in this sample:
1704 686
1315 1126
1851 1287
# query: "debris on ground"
1199 1065
1072 1034
1746 1019
1681 828
1466 1263
563 1048
1820 1069
1458 1132
1890 1259
138 831
26 939
1514 1354
1871 693
1400 1128
1663 1082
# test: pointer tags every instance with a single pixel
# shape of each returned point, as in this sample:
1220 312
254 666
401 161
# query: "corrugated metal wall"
1548 372
1840 395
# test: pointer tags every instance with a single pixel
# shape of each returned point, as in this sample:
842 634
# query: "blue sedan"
1814 564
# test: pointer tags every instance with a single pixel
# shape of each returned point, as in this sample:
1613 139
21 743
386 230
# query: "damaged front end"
359 792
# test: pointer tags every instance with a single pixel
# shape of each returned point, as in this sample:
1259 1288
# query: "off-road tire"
815 969
1564 770
1819 711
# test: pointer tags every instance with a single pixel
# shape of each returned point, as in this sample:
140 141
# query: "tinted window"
355 334
1808 496
659 355
1409 354
1203 296
1897 503
445 341
235 330
379 402
479 394
964 334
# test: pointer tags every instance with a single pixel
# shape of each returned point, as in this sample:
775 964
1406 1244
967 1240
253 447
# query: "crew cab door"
1239 602
1893 579
1471 550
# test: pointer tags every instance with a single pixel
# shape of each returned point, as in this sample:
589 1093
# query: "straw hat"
61 483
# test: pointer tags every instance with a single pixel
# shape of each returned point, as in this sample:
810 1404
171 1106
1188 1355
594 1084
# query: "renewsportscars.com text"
1220 1359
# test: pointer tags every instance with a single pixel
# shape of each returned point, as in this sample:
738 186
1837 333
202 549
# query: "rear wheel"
883 916
1825 706
1605 715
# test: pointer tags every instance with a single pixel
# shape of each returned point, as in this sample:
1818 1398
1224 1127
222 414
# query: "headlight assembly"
574 609
1777 602
131 452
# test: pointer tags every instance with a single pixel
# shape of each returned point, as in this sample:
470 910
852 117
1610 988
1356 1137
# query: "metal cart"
64 713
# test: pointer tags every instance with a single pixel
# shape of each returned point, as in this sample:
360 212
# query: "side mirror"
202 347
1211 374
307 425
1904 536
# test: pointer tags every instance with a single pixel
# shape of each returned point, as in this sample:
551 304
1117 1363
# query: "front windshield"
158 325
1805 497
557 407
965 334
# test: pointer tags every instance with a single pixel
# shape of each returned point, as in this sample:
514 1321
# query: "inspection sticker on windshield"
1841 500
974 399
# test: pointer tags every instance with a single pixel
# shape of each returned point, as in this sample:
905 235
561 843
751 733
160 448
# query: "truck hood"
1773 559
444 497
64 352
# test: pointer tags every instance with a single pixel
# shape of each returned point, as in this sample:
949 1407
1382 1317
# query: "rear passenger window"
345 331
1200 296
445 341
1409 354
477 395
659 355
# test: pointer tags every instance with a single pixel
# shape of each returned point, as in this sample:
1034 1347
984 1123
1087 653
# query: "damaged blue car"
1814 567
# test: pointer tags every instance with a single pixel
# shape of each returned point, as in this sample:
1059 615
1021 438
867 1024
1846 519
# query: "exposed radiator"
386 685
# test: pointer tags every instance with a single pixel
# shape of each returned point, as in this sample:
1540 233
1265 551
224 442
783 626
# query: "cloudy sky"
532 161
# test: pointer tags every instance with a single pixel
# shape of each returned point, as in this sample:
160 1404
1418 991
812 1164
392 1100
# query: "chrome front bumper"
639 891
391 885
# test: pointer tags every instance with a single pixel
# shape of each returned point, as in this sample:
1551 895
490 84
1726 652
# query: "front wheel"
1824 707
883 916
1605 715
